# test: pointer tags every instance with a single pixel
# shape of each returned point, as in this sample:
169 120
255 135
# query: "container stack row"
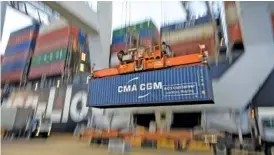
185 37
18 54
55 45
146 32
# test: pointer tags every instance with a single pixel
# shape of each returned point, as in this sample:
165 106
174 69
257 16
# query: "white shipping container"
231 14
54 25
189 34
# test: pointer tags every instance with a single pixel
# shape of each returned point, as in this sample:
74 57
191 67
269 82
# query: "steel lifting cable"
162 22
122 13
126 29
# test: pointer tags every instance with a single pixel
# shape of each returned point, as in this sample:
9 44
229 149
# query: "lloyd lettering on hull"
65 105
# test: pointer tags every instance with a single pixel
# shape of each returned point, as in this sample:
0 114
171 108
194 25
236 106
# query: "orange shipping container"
234 31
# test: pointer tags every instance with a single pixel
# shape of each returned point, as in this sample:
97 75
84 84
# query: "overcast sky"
161 12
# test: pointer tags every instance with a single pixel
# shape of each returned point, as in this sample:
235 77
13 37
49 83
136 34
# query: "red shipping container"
117 47
1 59
234 31
273 21
15 76
49 47
56 34
55 39
185 48
55 68
29 35
17 56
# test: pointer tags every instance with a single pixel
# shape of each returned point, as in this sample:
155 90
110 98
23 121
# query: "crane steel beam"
76 12
3 10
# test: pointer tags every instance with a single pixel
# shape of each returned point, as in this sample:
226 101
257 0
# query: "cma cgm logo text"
71 102
131 87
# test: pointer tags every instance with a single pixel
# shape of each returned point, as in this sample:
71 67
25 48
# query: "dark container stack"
55 47
18 54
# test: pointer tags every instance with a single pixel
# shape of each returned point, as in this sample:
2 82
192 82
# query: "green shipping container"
49 57
136 28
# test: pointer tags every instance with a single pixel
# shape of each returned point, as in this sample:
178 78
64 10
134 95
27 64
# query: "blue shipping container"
34 27
25 46
82 37
161 87
10 67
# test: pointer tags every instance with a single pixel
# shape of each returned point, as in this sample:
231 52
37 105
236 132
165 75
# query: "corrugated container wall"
18 53
185 38
54 43
146 31
162 87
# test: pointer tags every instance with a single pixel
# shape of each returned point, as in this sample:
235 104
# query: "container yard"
186 87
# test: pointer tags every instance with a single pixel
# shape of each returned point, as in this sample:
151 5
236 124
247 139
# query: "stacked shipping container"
56 45
146 31
18 54
185 38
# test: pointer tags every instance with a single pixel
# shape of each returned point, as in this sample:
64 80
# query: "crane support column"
243 80
3 10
